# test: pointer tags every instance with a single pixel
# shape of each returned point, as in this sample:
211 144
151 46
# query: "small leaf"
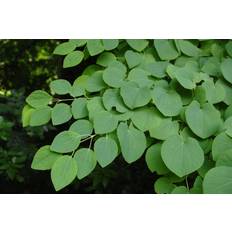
146 117
203 120
79 85
79 108
182 156
61 113
64 48
132 142
137 44
60 87
164 129
113 77
133 96
157 69
95 46
73 59
140 77
229 48
226 68
110 44
188 48
44 158
180 190
218 180
165 49
63 172
215 93
154 160
40 116
163 185
86 162
104 122
38 99
95 105
222 145
26 115
167 101
78 42
105 59
65 142
111 98
106 150
83 127
95 82
133 58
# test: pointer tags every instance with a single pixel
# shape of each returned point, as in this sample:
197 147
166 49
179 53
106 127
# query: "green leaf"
132 142
228 93
94 105
79 108
226 68
83 127
106 150
60 87
65 142
105 59
73 59
215 93
146 117
78 42
38 99
185 76
188 48
111 98
95 82
133 96
140 77
203 120
229 48
165 49
157 69
224 160
163 185
95 46
113 76
137 44
110 44
26 115
44 158
218 180
40 116
154 160
133 58
167 101
182 156
63 172
86 162
104 122
64 48
79 85
180 190
164 129
61 113
222 145
212 67
228 126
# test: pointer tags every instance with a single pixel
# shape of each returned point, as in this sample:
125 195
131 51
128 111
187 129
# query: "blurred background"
27 65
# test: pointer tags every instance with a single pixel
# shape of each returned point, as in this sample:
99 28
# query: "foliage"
167 100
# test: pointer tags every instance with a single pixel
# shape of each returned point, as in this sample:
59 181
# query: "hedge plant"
168 102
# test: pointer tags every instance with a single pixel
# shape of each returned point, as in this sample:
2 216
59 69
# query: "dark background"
27 65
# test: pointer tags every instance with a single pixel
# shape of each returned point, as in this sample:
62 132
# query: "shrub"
166 100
